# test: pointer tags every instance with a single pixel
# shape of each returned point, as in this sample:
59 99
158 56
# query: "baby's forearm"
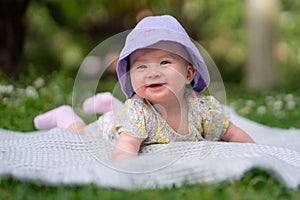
236 134
126 147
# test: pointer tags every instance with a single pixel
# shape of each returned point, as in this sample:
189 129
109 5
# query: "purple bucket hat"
150 31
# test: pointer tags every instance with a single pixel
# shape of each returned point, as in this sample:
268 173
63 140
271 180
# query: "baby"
162 73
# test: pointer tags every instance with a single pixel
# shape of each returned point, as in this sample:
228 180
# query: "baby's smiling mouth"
155 85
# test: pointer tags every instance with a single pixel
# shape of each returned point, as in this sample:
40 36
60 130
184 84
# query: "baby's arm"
236 134
127 146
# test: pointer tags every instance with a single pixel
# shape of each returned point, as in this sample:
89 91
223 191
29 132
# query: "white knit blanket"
58 157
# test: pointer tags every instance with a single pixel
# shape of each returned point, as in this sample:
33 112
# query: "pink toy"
62 116
101 103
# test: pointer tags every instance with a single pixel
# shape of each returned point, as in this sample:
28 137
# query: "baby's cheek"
137 85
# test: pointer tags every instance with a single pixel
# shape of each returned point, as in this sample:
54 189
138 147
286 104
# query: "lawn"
22 100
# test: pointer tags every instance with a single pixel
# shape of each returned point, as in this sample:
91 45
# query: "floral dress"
207 120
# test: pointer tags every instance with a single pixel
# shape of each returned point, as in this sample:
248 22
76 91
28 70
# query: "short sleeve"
103 127
133 118
215 120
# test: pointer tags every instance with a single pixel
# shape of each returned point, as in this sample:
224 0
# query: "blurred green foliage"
62 33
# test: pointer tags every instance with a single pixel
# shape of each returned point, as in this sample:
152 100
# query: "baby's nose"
153 71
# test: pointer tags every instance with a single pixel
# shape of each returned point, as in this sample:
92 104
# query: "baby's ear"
191 71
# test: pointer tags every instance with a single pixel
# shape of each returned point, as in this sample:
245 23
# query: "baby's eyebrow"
132 62
137 60
169 55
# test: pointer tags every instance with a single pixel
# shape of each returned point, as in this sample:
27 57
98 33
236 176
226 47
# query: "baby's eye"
141 67
164 62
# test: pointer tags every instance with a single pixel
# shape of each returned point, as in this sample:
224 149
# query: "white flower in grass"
6 89
261 110
277 105
250 103
39 82
289 97
30 91
290 104
245 110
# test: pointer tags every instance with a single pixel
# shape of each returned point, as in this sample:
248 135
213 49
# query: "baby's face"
158 75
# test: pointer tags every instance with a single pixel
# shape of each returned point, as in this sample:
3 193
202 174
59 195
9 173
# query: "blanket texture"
58 156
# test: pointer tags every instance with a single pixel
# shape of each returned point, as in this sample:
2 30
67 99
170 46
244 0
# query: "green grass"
256 184
32 95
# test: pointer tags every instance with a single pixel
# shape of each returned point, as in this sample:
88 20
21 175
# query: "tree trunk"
12 34
261 70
